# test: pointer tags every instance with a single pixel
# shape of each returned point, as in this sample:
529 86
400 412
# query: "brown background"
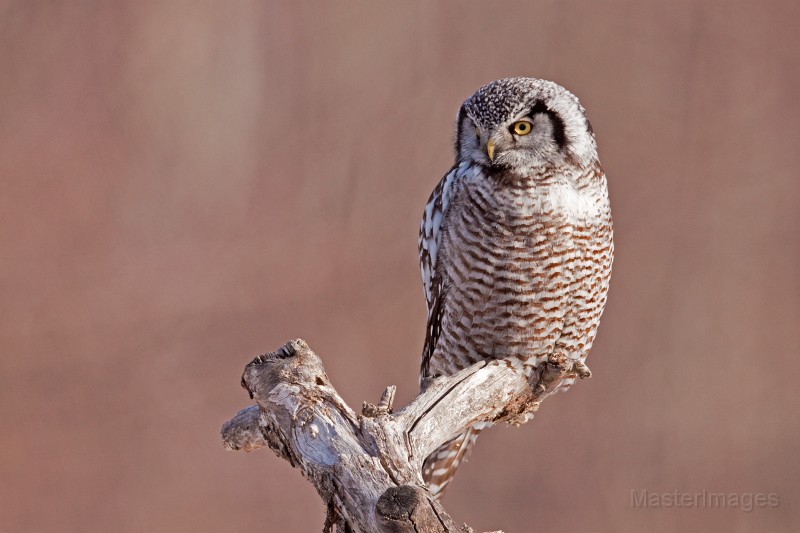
188 184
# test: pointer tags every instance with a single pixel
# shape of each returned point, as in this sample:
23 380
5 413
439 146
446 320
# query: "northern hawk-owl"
515 241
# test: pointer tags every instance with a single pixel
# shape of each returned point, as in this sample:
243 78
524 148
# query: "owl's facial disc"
523 143
522 126
519 128
530 138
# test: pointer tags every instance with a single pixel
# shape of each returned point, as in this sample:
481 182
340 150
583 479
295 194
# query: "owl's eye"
523 127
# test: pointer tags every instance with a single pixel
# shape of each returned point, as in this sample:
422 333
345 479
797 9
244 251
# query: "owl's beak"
490 149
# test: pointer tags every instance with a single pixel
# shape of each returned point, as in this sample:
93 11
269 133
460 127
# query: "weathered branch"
367 467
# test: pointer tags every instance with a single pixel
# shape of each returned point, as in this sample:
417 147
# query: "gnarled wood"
366 468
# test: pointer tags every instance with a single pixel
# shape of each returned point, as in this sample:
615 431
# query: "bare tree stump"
366 468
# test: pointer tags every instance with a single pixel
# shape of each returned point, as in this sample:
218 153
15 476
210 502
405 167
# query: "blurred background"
186 185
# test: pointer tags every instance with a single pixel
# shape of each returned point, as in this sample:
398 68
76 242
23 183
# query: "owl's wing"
430 237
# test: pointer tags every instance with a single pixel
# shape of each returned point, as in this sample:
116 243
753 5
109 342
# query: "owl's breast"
503 273
511 261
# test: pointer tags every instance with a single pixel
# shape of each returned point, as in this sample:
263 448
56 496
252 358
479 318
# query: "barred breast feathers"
560 196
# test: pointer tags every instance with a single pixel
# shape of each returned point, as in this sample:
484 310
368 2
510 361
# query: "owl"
515 242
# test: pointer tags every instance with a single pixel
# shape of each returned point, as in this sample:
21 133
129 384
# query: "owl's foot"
562 363
560 367
582 370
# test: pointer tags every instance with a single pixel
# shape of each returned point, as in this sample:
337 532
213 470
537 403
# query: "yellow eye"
523 127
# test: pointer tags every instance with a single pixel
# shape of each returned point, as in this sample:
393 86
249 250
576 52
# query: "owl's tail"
440 466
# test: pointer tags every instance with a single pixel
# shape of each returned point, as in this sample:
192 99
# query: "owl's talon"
582 370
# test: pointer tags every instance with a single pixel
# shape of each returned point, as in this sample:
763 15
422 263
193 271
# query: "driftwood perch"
366 467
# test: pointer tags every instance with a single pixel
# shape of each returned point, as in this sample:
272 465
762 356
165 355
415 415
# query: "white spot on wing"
430 228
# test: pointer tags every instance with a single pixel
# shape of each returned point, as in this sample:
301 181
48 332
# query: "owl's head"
524 125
